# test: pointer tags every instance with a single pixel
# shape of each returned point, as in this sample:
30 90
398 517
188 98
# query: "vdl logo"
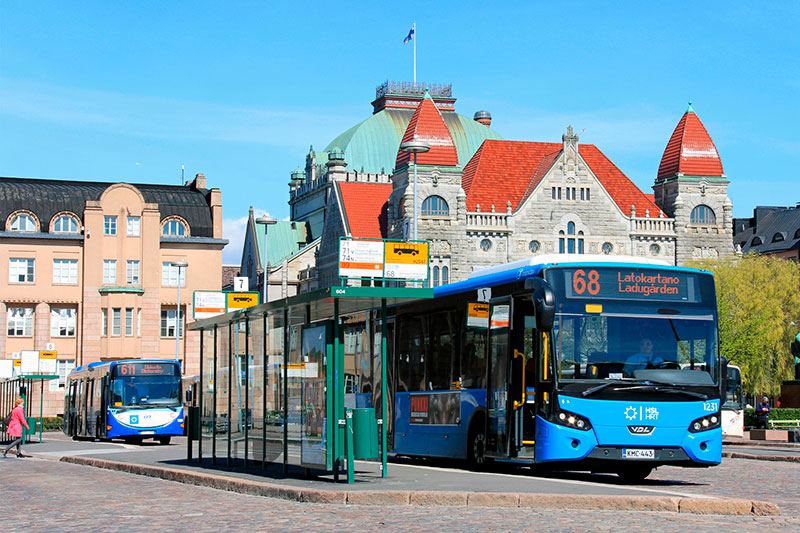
641 430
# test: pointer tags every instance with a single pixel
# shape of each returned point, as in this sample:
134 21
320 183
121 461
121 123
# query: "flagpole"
414 28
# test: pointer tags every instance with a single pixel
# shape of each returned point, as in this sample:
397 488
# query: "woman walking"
15 427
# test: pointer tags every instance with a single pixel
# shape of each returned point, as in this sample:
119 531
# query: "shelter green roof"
373 143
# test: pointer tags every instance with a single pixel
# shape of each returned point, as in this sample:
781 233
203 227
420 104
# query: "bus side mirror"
723 380
188 395
544 302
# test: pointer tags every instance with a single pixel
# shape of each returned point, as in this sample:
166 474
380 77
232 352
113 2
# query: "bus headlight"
705 423
571 420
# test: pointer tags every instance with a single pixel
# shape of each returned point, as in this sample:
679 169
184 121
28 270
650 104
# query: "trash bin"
365 433
31 425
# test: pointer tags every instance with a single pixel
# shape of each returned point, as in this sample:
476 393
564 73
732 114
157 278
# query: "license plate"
634 453
147 433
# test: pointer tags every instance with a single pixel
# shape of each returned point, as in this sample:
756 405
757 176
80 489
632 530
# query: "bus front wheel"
476 447
164 440
634 474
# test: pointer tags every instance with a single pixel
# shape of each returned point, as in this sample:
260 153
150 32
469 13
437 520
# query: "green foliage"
758 303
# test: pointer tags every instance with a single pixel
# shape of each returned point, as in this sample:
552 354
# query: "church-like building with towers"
482 200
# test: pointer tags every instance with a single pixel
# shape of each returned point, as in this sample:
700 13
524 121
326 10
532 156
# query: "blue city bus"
579 362
134 399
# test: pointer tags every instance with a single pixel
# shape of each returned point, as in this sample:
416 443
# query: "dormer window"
66 224
174 228
797 234
756 241
22 222
778 237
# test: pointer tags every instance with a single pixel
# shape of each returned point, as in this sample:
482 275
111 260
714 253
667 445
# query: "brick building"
87 270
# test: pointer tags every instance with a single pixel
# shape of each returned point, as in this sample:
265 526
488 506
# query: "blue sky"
130 91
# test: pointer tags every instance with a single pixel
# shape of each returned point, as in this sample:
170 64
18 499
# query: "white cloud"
233 230
176 119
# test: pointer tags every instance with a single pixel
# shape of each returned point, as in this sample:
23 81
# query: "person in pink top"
15 427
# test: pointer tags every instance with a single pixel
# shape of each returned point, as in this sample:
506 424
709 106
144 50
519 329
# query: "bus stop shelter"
23 386
299 381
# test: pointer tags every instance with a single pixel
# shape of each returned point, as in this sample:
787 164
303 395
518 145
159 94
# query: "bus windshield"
630 322
733 396
592 347
140 385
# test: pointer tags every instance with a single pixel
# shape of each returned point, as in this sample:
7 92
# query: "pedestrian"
762 413
15 427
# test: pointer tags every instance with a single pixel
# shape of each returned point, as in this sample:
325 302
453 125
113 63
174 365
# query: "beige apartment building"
87 270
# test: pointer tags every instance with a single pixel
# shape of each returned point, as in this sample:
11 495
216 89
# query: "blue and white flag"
409 36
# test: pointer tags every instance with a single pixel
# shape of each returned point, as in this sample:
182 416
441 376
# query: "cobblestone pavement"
51 495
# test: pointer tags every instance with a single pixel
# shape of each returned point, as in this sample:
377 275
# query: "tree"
758 303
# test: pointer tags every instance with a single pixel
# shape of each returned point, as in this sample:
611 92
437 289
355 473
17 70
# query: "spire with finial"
690 110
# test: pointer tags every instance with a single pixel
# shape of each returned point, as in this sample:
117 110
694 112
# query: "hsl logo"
134 419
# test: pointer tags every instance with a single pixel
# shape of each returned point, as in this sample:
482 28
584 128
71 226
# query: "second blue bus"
134 400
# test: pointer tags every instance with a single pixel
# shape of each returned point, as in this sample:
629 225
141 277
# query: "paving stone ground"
56 496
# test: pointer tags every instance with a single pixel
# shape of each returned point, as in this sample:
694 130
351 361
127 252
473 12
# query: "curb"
442 498
780 458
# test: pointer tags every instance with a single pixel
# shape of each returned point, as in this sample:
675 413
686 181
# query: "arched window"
173 228
435 276
22 222
797 234
778 237
756 241
702 214
435 206
65 224
568 243
445 275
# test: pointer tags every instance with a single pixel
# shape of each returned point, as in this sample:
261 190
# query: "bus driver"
642 359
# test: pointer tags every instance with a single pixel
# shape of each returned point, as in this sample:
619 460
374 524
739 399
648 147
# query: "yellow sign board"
406 260
48 355
17 362
242 300
478 314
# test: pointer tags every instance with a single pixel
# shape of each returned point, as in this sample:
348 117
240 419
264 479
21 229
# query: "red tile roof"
503 171
624 192
427 125
365 208
690 150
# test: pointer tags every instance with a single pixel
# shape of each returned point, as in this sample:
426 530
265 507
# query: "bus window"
474 359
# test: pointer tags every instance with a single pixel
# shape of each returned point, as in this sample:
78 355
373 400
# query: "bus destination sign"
145 369
614 283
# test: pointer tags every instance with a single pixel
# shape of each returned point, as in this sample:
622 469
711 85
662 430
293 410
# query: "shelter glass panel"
223 388
274 415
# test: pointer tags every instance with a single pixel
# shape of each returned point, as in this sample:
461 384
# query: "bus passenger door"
497 391
523 379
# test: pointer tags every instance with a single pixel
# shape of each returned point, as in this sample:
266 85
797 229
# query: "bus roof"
100 364
533 266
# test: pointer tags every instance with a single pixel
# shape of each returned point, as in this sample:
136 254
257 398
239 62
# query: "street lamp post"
415 147
267 221
179 265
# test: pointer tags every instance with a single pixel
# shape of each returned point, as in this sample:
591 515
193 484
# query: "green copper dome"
373 143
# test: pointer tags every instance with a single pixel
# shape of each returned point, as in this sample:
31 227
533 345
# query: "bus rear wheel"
634 474
164 440
476 447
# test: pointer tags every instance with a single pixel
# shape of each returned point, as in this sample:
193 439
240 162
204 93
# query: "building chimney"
484 117
199 182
